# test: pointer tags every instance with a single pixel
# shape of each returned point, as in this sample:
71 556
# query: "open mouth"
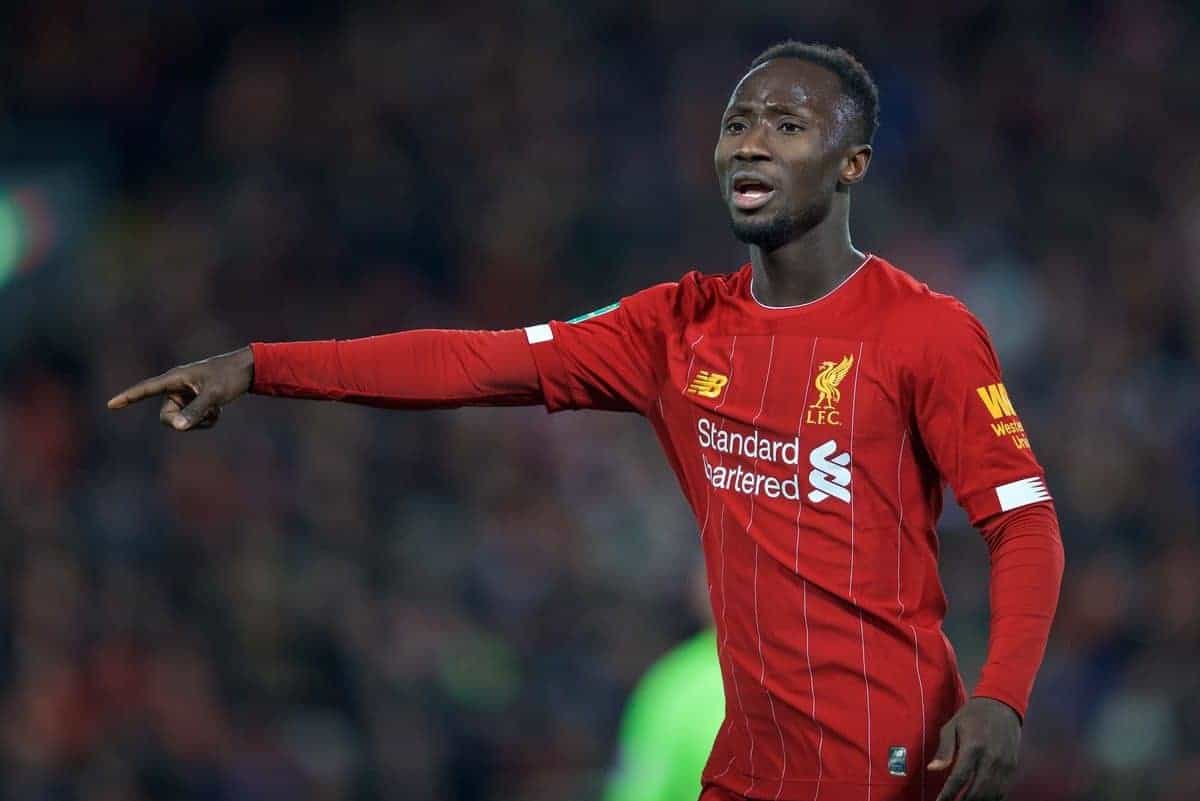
751 192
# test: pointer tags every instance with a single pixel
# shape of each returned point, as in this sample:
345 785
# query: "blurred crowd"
317 601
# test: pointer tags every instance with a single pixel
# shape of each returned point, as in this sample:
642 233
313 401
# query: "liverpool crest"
831 374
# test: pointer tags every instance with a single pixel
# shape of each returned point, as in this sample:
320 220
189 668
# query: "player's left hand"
981 741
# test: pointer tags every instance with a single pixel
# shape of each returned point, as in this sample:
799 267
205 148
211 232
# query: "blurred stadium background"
329 602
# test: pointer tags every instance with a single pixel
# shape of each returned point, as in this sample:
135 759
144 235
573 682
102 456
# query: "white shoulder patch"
539 333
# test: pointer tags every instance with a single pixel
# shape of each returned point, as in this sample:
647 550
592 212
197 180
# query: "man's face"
783 150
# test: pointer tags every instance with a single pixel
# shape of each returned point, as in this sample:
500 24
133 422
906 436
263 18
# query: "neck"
810 265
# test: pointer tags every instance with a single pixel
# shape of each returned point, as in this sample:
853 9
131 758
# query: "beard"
780 228
769 234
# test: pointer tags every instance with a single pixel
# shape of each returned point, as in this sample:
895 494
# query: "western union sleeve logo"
707 385
995 398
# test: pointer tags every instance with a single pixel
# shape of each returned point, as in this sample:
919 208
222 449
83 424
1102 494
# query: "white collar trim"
853 273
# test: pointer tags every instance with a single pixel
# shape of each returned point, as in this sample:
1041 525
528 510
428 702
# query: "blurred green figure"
669 725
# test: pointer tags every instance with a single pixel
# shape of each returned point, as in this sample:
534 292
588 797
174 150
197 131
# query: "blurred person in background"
883 706
671 718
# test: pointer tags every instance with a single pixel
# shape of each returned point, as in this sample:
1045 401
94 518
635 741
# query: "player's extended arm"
421 369
1026 571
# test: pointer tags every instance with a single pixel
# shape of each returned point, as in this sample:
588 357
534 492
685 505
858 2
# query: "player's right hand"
193 394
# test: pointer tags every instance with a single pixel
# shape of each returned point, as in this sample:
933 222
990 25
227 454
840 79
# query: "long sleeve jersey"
812 443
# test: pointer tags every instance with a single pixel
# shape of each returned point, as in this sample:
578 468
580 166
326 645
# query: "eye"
790 127
735 127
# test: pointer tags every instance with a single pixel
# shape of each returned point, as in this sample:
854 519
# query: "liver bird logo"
827 380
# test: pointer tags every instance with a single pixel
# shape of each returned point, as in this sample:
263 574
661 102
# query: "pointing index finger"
150 387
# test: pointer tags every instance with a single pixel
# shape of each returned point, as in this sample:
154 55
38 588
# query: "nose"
752 145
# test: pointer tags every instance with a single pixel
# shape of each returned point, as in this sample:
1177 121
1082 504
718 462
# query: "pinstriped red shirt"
812 443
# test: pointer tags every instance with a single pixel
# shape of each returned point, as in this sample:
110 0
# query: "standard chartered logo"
763 450
830 477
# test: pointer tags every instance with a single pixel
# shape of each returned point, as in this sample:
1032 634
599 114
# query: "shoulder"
686 297
924 315
932 331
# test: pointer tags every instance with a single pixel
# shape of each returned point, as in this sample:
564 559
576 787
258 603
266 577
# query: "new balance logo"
708 385
830 476
995 398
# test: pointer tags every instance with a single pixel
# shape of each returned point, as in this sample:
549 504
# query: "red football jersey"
812 443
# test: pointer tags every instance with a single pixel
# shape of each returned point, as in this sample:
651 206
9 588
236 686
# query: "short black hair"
857 84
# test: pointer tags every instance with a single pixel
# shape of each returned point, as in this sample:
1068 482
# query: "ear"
854 164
